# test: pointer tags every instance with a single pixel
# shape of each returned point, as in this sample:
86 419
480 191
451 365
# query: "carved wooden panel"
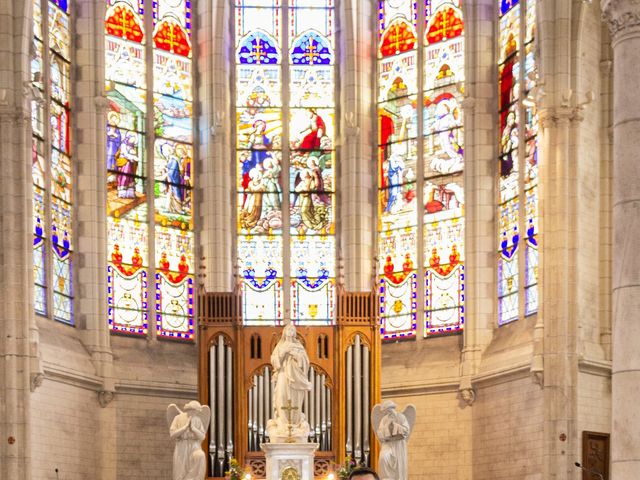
595 455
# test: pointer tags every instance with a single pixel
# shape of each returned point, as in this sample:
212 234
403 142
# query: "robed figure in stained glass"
315 131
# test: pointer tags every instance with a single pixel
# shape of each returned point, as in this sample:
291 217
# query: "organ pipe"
366 406
260 408
349 382
220 401
213 448
357 399
229 401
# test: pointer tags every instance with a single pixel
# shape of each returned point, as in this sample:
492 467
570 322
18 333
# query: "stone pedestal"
289 457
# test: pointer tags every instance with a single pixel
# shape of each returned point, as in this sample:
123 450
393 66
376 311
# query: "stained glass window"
149 142
420 101
518 162
52 166
285 144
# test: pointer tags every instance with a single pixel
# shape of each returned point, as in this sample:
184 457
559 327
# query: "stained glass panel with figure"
518 160
126 156
311 162
397 166
443 188
52 160
173 169
259 159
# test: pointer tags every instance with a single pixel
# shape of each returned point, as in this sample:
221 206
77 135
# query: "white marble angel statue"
290 379
188 428
393 430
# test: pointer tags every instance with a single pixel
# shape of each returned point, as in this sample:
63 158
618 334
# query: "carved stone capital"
36 380
466 391
352 127
468 395
105 397
622 17
468 104
102 103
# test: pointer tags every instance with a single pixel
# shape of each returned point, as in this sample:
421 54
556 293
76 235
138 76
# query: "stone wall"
65 431
507 430
86 432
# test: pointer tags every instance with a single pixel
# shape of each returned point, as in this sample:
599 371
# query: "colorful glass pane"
398 306
39 252
127 209
398 115
173 168
59 34
443 160
308 169
127 245
261 269
312 290
125 62
124 19
52 165
518 161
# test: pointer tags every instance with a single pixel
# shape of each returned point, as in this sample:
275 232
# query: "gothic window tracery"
52 161
285 164
420 167
150 174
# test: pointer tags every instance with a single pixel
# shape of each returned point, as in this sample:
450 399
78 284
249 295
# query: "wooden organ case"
235 381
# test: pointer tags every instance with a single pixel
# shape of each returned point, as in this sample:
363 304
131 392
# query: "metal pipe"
357 399
329 422
267 388
318 395
312 403
324 412
260 408
213 447
255 413
349 400
366 404
229 402
220 407
250 418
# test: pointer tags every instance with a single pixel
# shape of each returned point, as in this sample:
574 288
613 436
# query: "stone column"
357 158
16 291
215 165
623 18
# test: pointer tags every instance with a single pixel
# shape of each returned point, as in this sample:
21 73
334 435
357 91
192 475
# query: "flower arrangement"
235 472
344 470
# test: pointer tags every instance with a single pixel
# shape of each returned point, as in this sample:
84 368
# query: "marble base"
296 457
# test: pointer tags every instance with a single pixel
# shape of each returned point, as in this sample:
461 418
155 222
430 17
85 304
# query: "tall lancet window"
285 162
149 150
518 163
52 165
420 156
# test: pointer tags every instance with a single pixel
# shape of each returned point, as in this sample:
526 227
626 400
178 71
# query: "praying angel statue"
393 430
188 428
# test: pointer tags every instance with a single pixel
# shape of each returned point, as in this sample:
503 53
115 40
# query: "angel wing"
409 413
172 411
205 416
376 417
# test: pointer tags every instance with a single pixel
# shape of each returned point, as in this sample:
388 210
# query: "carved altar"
235 379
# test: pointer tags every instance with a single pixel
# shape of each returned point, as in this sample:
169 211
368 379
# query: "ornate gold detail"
290 473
